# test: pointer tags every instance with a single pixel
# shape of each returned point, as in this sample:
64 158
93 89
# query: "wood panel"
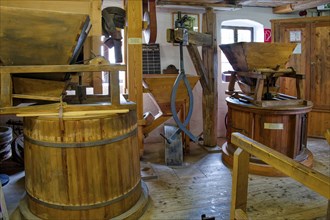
318 123
271 137
320 65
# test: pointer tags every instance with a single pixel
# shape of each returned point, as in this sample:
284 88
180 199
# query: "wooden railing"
314 180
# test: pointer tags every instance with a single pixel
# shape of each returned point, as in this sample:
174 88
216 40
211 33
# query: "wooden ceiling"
279 6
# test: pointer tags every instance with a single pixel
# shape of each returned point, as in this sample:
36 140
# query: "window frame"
236 28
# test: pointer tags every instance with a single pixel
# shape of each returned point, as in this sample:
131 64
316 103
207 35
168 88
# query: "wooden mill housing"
124 109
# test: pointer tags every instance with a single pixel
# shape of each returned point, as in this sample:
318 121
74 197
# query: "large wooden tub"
282 128
81 168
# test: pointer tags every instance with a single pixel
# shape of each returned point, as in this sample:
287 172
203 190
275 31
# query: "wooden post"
5 89
95 41
240 181
134 60
114 87
210 98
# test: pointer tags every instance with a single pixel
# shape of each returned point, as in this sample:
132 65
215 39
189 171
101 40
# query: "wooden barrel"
282 128
82 168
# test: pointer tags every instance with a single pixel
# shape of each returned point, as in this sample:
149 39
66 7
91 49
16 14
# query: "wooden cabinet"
311 58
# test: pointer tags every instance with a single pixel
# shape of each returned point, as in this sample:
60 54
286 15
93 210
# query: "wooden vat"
160 87
81 168
282 128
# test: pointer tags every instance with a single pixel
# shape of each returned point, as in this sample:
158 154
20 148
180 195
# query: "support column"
210 98
134 60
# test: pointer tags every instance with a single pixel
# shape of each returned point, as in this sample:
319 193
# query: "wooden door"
313 60
298 33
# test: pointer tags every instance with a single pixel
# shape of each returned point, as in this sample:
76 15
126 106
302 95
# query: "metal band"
81 144
87 207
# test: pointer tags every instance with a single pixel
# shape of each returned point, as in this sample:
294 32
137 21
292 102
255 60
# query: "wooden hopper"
160 86
253 62
246 57
38 37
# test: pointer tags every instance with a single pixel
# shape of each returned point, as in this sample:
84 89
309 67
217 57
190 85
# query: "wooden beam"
196 38
199 66
61 68
54 108
158 121
316 181
300 6
283 9
197 4
210 98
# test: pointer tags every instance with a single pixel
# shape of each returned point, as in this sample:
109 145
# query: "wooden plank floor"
203 186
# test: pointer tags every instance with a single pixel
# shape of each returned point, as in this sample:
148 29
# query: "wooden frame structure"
261 77
314 180
6 95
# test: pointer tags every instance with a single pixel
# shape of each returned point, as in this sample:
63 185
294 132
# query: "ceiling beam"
198 3
288 8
